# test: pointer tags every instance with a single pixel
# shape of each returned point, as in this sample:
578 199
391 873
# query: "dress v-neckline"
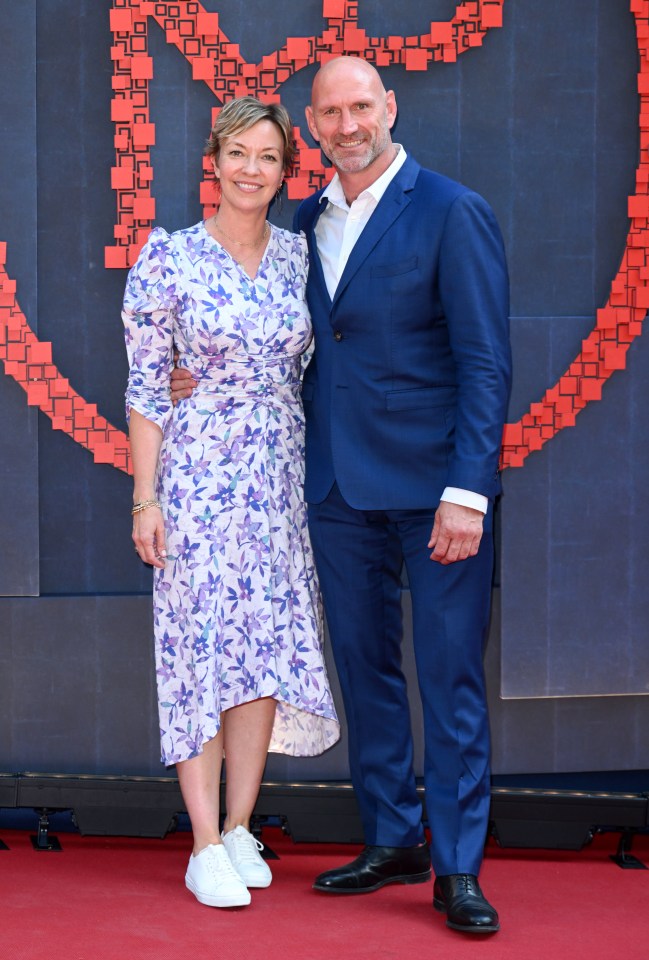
234 260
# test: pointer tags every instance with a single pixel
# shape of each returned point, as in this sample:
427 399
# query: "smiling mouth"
349 144
249 187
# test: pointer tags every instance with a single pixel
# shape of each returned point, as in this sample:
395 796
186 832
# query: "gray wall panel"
81 685
19 495
562 735
575 609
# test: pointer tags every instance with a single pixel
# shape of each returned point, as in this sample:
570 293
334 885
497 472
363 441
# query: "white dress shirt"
337 230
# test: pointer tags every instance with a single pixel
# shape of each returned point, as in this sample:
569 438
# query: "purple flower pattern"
237 610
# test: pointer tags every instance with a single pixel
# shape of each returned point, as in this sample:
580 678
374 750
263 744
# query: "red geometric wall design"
218 62
29 361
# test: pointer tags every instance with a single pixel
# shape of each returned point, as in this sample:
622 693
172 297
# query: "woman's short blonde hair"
244 112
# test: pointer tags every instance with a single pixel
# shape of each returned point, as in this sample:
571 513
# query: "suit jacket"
407 389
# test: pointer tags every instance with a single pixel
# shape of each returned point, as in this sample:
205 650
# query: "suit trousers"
359 556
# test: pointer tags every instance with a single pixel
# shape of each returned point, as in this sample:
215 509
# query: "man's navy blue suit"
406 394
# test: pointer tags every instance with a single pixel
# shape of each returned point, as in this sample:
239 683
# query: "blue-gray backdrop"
542 119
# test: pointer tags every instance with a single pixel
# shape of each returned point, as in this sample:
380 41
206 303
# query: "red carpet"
105 898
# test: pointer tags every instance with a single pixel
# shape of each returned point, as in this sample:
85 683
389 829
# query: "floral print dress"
237 612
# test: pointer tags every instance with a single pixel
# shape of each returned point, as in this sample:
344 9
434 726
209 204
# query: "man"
405 401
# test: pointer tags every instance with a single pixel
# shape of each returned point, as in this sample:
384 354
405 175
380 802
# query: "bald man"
405 400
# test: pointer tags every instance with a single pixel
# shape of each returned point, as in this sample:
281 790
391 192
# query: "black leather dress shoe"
459 896
376 866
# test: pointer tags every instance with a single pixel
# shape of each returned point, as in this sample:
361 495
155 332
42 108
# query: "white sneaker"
213 880
244 850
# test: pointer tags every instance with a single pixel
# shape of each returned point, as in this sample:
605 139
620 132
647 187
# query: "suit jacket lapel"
392 203
316 273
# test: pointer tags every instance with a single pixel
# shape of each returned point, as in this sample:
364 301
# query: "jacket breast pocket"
421 398
395 268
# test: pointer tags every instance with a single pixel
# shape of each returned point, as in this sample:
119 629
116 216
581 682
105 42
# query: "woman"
218 507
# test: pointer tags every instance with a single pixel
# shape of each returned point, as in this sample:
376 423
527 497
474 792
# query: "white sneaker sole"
256 884
234 900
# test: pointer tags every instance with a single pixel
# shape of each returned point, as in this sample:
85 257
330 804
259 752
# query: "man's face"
351 116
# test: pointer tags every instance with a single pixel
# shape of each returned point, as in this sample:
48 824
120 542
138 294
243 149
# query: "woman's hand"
149 536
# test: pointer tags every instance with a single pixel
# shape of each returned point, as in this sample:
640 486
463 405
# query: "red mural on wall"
217 62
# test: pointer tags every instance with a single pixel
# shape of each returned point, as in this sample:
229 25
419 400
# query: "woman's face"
250 167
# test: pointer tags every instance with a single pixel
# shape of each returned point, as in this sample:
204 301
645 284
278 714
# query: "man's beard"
355 164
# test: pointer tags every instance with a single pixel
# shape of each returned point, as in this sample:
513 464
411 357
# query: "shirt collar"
335 194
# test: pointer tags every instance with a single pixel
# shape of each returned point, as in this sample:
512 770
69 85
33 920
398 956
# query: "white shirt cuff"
466 498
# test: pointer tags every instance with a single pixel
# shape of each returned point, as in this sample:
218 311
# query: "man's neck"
353 184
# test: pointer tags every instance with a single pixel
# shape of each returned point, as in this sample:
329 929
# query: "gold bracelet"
143 504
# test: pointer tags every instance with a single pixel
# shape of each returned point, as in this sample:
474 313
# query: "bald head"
343 70
351 115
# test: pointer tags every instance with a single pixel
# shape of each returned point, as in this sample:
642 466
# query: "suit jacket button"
338 336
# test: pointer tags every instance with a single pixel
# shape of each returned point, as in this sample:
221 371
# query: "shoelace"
465 881
222 868
245 849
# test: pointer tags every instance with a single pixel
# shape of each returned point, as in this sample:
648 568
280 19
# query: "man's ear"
313 130
391 107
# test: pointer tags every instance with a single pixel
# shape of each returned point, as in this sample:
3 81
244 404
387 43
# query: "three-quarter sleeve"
148 314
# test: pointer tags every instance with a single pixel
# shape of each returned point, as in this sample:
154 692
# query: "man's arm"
474 292
473 289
